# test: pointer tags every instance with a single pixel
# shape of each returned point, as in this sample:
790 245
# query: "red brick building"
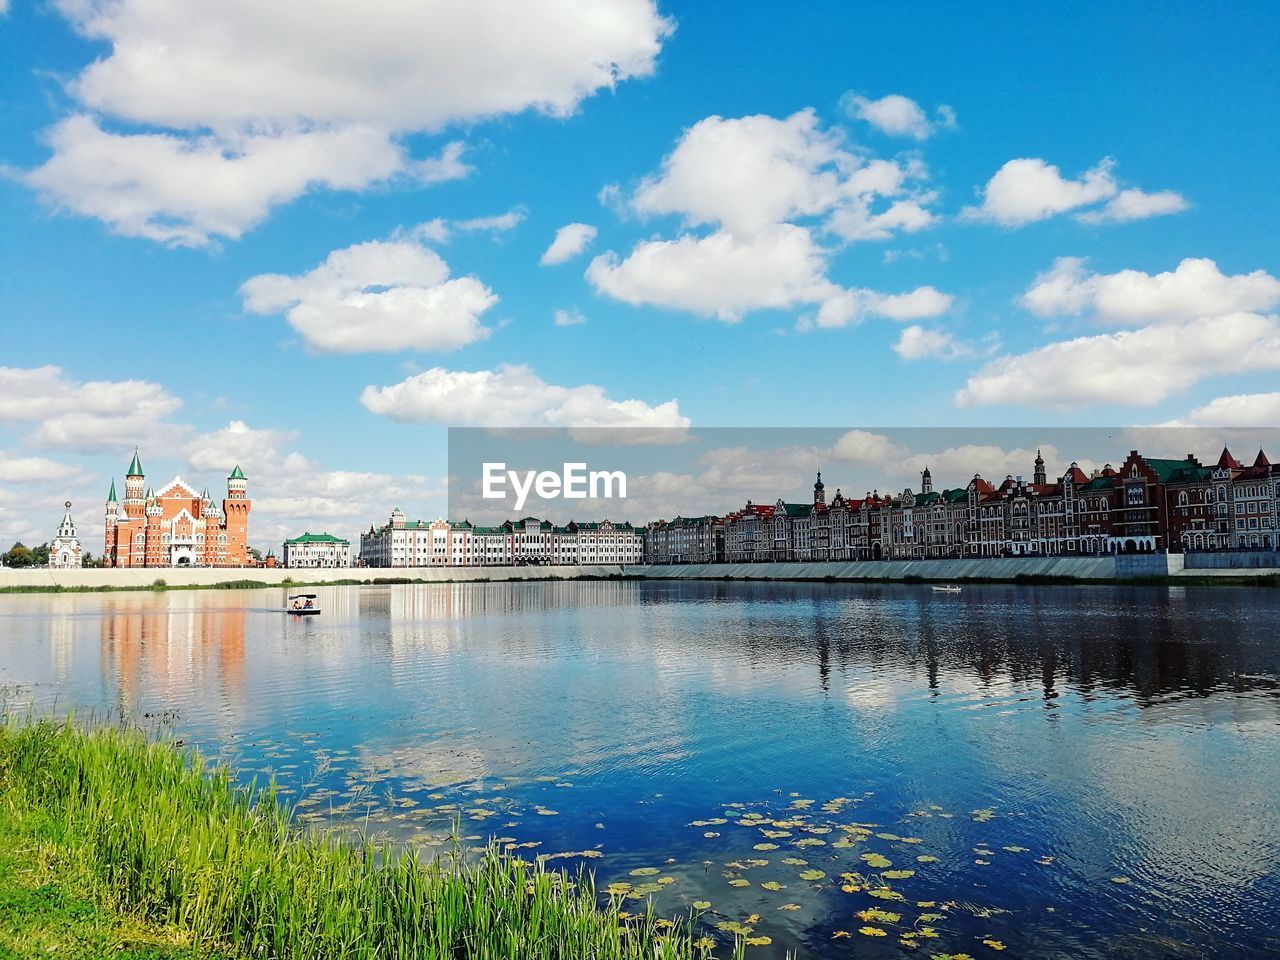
175 526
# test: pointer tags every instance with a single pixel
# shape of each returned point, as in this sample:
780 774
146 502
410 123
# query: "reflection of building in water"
62 642
159 655
453 601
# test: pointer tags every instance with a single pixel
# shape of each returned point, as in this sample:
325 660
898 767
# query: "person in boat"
297 603
309 604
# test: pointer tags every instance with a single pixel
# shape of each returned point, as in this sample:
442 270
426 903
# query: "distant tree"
87 559
255 555
19 555
40 555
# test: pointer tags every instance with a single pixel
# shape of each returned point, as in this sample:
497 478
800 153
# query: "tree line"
20 555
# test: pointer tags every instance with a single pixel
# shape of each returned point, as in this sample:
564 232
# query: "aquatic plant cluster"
749 870
175 839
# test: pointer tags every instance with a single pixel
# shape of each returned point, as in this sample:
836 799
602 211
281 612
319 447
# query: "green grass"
177 846
48 904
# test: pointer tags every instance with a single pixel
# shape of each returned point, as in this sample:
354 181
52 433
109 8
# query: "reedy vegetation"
178 841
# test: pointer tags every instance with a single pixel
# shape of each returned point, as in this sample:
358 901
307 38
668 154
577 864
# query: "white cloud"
856 221
440 230
1240 410
569 318
237 444
380 295
1131 367
1134 204
919 303
749 174
917 343
862 446
1195 288
511 396
292 493
1029 189
725 276
719 275
955 466
852 306
896 115
749 179
89 416
18 469
183 189
570 240
271 100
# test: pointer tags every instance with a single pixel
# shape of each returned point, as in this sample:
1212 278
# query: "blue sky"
1000 242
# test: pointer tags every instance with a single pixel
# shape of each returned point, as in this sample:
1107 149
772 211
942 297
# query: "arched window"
1182 499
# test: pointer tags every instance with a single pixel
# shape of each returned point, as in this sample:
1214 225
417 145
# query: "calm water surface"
1095 770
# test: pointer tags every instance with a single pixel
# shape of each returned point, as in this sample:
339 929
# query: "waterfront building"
745 539
1147 505
528 541
64 549
314 550
175 526
608 542
1227 507
685 540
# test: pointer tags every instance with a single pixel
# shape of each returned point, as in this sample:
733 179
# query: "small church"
64 549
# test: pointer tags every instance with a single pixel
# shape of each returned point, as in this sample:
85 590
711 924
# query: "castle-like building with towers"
175 526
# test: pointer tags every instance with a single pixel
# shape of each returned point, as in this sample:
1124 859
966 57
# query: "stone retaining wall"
177 576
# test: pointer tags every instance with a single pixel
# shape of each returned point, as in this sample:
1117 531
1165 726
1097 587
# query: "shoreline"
160 831
1139 571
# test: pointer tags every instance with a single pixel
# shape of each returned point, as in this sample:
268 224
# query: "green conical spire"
111 497
236 474
135 468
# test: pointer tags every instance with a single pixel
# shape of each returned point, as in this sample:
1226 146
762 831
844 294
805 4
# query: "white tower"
64 549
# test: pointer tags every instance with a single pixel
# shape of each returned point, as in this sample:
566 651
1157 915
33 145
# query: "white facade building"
64 549
317 550
525 542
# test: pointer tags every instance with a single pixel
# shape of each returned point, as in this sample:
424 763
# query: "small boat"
946 588
303 605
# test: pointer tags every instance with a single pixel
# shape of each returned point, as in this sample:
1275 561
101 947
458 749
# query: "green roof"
111 497
1100 483
797 509
1165 469
318 538
236 474
1190 474
135 466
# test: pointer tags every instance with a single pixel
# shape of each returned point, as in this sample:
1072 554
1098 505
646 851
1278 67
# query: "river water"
1055 771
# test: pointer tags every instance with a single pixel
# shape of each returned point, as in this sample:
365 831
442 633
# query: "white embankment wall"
1123 567
198 576
1075 568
